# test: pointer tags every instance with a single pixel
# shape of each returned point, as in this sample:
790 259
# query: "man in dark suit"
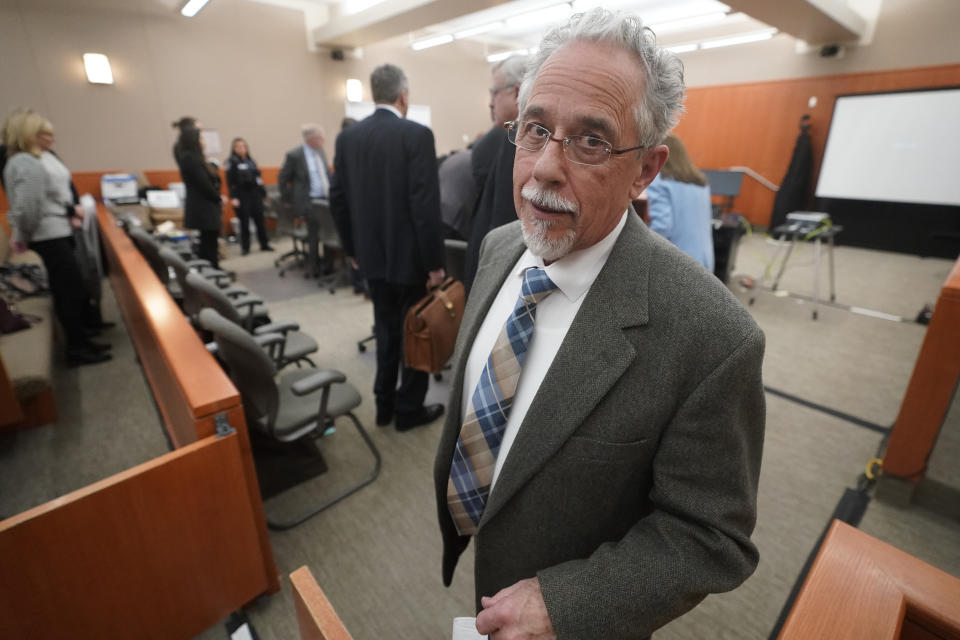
304 182
386 203
606 417
493 163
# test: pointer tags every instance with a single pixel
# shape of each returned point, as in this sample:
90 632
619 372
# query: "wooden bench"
862 588
165 549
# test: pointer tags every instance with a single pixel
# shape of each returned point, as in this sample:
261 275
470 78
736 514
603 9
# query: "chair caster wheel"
361 348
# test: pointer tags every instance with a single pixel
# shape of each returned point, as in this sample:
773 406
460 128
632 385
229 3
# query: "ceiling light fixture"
744 38
98 68
435 41
354 90
683 48
475 31
350 7
692 22
503 55
192 8
540 17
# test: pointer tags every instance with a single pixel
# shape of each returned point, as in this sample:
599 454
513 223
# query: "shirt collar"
390 107
575 272
307 149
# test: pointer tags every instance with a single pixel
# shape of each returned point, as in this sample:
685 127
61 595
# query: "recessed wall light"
98 68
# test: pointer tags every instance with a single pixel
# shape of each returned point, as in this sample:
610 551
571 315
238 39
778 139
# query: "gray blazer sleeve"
696 539
26 181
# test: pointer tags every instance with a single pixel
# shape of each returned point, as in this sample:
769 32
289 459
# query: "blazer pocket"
604 450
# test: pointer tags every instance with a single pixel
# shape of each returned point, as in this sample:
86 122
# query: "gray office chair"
288 406
295 347
203 268
151 252
287 226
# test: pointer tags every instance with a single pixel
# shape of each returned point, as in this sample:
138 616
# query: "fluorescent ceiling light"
192 8
540 17
475 31
743 38
431 42
678 10
683 48
98 69
350 7
497 57
688 23
354 90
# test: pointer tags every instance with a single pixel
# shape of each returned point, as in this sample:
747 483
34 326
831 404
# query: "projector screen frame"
837 99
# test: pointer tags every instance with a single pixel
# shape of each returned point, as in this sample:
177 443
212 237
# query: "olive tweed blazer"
630 490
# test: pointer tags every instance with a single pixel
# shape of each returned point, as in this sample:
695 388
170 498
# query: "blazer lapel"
593 356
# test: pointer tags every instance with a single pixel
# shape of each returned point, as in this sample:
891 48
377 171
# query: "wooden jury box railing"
165 549
862 588
931 388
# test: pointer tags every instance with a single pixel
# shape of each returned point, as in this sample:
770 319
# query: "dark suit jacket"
386 198
202 207
294 179
630 490
494 207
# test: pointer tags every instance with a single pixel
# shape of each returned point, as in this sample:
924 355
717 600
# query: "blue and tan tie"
486 418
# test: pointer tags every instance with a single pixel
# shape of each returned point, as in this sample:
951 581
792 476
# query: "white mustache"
549 200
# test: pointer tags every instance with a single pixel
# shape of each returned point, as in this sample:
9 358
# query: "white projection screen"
894 147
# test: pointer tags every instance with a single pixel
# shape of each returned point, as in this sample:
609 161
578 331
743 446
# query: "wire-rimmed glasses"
586 150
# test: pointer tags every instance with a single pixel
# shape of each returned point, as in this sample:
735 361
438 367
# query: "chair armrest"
221 278
320 379
234 291
246 301
212 347
199 264
269 339
282 326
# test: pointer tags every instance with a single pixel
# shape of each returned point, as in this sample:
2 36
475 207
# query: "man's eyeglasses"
586 150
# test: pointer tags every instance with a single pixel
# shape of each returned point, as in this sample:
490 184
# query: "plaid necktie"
486 418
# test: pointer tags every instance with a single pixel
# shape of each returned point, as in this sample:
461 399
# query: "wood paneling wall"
756 125
89 182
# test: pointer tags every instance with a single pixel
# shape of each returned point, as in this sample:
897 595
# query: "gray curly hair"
661 105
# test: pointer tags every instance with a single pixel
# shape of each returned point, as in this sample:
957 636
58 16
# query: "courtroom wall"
241 67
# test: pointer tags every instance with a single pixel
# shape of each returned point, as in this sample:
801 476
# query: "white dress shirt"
574 275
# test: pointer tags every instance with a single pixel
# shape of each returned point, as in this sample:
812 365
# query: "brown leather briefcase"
430 332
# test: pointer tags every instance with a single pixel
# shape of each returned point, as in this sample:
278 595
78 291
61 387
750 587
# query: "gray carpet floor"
377 554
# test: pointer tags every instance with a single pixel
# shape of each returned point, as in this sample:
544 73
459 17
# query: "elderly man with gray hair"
605 425
304 182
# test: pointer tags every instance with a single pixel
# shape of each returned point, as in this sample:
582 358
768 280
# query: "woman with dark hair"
246 194
678 201
201 211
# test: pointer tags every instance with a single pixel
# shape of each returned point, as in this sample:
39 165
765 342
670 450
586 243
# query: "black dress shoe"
100 326
426 415
266 248
99 347
384 417
77 357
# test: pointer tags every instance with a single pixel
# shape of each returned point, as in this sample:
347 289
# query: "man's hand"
18 246
516 613
235 202
436 278
76 223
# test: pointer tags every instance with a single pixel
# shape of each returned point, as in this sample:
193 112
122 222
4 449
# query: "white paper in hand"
466 629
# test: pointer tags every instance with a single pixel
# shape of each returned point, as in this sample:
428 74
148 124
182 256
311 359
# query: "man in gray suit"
304 182
605 425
